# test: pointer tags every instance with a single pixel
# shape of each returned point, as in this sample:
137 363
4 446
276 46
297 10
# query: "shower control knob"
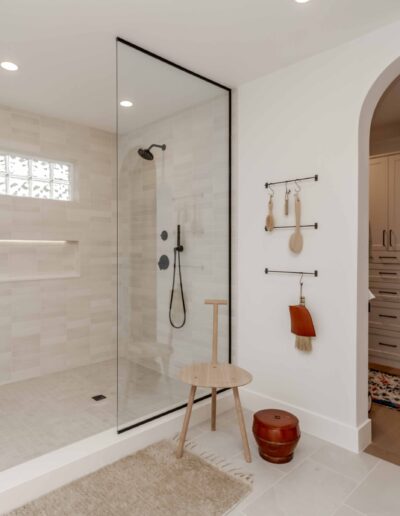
163 262
164 235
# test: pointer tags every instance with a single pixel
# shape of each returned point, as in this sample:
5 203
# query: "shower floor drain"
99 397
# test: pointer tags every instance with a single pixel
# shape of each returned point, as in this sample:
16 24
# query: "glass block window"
23 176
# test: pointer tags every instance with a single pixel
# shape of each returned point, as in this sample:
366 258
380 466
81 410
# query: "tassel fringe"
303 343
217 462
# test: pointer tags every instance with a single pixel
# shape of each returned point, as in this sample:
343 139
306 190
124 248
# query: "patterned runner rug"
384 388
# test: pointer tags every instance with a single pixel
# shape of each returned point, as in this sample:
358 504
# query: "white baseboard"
27 481
352 438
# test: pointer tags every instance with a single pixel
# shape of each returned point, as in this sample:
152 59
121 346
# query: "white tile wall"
186 184
52 325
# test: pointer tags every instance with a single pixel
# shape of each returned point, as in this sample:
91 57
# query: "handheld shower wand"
178 247
177 258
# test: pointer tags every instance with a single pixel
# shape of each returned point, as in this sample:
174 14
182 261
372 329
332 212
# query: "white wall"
297 122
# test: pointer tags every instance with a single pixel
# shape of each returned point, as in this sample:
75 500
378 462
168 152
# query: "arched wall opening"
375 93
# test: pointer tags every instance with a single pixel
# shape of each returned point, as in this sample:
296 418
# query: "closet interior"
384 276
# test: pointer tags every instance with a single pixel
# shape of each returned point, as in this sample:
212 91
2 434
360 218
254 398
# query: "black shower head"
147 154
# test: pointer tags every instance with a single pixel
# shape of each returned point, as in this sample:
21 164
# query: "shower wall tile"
53 325
188 185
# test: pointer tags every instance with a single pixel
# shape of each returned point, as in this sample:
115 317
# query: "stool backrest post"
215 303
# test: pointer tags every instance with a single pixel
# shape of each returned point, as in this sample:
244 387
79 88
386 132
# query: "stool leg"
185 425
213 409
239 412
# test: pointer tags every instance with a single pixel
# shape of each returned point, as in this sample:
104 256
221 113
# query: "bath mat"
384 388
151 482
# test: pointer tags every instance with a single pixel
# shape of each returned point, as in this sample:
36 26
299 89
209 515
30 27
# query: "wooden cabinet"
394 203
384 203
378 203
384 269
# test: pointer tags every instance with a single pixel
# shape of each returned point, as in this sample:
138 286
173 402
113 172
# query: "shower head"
147 154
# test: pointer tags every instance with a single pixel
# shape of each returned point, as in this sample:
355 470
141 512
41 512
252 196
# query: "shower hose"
177 258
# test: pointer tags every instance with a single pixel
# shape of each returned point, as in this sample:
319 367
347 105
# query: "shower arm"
162 147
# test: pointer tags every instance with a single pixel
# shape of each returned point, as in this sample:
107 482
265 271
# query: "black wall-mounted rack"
315 226
315 273
315 178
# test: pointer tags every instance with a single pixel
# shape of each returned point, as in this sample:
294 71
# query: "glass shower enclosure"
174 160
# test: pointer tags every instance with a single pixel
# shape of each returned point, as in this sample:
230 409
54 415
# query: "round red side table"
277 433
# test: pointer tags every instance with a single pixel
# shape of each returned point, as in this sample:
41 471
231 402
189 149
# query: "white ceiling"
66 48
156 89
388 109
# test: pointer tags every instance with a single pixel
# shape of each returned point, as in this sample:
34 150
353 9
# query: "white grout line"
332 470
249 500
246 503
360 483
352 508
253 500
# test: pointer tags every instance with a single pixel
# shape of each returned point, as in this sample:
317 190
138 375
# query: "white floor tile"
264 476
311 489
353 465
307 445
379 494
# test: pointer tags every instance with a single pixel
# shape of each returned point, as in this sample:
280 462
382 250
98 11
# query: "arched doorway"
383 82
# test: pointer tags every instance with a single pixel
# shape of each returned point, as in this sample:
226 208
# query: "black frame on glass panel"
229 90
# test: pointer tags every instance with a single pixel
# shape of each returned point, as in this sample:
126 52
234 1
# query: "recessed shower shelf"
37 242
10 279
36 260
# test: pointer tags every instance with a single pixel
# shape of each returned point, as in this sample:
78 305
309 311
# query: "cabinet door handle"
388 316
388 273
390 238
388 345
388 257
387 292
384 238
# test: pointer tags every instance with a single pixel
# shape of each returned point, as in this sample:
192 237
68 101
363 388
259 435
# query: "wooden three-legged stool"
215 376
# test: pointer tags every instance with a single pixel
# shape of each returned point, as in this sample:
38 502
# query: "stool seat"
217 376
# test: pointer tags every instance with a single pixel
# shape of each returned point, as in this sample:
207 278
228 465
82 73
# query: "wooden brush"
302 325
269 221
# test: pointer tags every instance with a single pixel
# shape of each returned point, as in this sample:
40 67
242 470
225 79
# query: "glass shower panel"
173 215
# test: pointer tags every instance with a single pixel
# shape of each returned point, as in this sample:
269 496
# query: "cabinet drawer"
384 258
384 344
384 274
384 317
385 292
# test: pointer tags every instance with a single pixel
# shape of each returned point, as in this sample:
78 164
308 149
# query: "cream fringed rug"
152 482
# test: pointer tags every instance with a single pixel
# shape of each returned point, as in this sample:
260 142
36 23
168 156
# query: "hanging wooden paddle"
296 240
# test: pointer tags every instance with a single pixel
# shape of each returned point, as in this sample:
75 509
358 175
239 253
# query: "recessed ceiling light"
126 103
10 67
301 1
